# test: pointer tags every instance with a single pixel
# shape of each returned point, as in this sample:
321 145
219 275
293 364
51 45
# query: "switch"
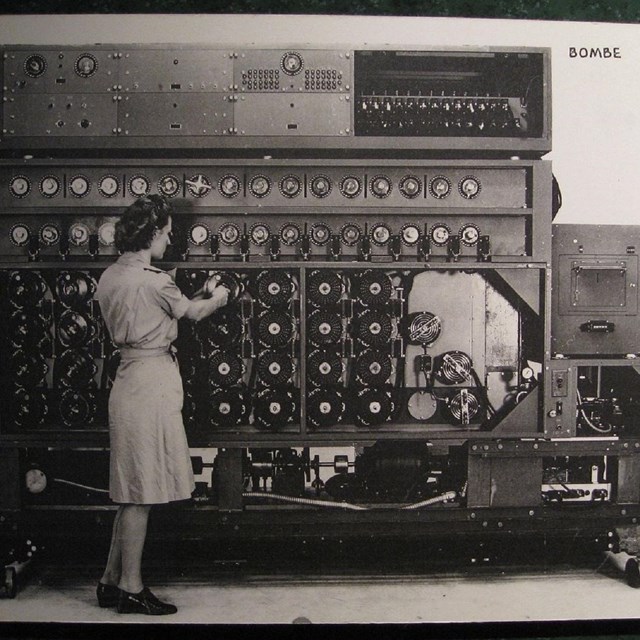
559 383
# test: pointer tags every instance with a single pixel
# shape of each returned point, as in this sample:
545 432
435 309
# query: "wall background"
595 106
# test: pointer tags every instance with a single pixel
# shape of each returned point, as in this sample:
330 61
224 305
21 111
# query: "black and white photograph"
319 319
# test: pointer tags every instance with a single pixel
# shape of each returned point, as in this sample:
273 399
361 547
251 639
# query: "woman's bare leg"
113 569
132 532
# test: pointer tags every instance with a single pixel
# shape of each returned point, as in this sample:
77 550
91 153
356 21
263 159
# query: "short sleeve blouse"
141 305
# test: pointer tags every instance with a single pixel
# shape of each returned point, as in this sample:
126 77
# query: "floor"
485 596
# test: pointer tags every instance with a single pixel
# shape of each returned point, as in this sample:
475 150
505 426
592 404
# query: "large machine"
411 347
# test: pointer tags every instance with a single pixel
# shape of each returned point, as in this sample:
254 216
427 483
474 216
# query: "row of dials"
260 186
260 233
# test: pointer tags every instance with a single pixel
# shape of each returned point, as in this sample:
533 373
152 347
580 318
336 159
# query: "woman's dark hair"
134 230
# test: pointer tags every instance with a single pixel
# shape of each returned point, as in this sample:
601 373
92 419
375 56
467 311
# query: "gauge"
290 234
260 233
380 234
324 287
19 186
109 186
324 328
320 186
77 409
350 186
324 367
49 186
229 233
410 187
374 289
86 65
274 368
440 234
35 480
260 186
325 407
35 65
139 185
199 234
107 234
469 234
79 186
229 186
274 287
169 186
410 234
527 373
350 234
290 186
79 234
49 234
320 233
19 235
275 328
291 63
380 186
198 185
469 187
440 187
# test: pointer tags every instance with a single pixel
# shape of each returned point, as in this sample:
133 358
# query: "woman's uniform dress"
149 461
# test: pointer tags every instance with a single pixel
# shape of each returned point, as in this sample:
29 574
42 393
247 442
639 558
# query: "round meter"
320 186
19 186
350 187
350 234
35 65
291 63
109 186
469 234
410 234
320 234
79 234
86 65
139 186
198 185
199 234
380 186
440 234
19 235
229 186
290 186
49 186
79 186
410 187
49 234
260 234
469 187
107 234
260 186
169 186
440 187
380 234
290 234
229 233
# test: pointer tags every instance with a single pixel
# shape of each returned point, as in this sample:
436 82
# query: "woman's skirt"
149 462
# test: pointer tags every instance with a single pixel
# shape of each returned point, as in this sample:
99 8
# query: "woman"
150 462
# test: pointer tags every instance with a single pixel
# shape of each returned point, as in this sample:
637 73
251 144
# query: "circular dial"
79 186
274 368
28 407
139 185
464 406
19 235
35 480
260 186
453 367
28 370
229 233
409 234
469 187
225 368
350 234
290 186
49 186
74 288
260 233
35 65
380 234
324 368
291 63
274 408
86 65
198 185
107 234
74 329
26 327
423 328
320 186
374 328
440 234
320 233
373 368
26 288
324 288
290 234
324 328
229 186
79 234
109 186
224 328
49 234
373 407
469 234
229 406
19 186
76 368
274 287
350 186
325 407
275 328
410 187
440 187
199 234
169 186
380 186
374 288
77 409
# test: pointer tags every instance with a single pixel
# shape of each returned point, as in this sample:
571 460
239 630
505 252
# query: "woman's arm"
200 308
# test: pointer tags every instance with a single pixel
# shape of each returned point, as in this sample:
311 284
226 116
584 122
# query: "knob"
380 186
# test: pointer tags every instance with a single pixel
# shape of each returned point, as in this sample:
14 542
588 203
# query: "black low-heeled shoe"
144 602
632 573
107 594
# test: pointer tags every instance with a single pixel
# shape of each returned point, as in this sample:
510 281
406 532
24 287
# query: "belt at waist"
130 353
